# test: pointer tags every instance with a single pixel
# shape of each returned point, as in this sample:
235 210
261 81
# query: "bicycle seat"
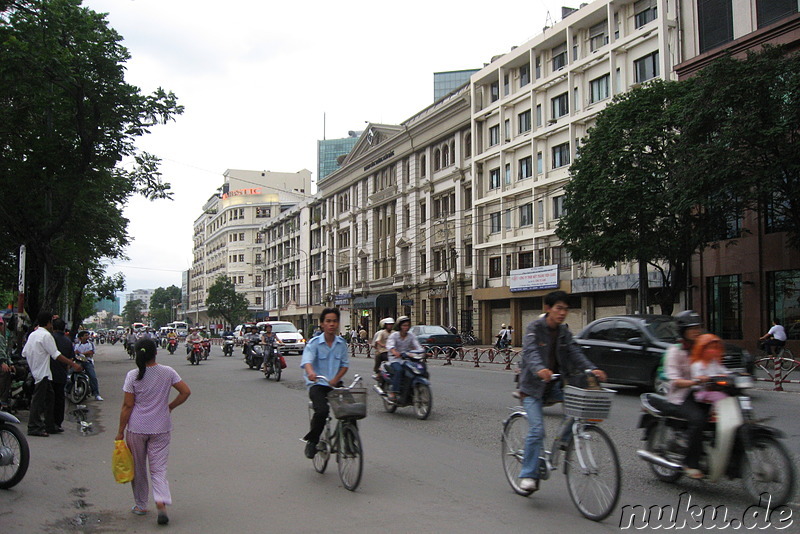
655 403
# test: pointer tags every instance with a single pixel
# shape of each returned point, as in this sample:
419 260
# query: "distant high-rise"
445 83
111 306
331 152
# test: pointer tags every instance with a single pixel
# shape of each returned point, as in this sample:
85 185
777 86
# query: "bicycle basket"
587 403
348 403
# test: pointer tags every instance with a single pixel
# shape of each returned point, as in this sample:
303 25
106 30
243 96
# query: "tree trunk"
643 286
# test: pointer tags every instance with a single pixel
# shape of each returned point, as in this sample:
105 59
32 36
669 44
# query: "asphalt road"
237 465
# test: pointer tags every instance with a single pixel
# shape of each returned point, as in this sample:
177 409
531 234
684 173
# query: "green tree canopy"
223 301
633 195
133 312
161 304
67 120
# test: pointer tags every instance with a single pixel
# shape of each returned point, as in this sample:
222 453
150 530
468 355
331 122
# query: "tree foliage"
67 120
223 301
133 312
161 304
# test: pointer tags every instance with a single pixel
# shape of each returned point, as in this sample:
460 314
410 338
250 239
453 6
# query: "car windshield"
663 329
431 330
284 329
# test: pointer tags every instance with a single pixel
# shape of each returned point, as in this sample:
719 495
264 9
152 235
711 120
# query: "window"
725 306
525 167
468 255
507 130
538 67
602 331
769 11
508 264
524 121
539 163
508 174
507 219
525 75
599 88
644 11
574 48
560 258
646 68
423 212
258 301
495 267
560 155
423 262
259 281
468 145
783 294
241 236
468 198
540 211
525 260
422 166
715 23
558 207
777 214
494 222
494 178
494 89
526 214
241 257
506 85
241 279
560 105
494 135
598 35
258 258
262 213
559 55
538 115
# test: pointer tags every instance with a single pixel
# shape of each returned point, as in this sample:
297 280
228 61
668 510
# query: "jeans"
89 368
397 376
319 402
534 441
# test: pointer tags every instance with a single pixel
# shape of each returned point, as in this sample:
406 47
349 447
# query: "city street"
237 465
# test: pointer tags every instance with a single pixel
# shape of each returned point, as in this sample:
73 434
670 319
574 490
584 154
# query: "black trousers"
59 403
379 359
319 402
696 414
41 414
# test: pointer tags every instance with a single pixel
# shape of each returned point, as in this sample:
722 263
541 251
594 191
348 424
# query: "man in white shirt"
776 337
38 350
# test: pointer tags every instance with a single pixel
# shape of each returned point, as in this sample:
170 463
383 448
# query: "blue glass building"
330 150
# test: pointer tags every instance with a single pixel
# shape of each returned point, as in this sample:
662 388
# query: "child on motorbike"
706 361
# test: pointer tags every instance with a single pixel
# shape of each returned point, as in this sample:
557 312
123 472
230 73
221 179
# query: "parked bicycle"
590 460
469 339
348 405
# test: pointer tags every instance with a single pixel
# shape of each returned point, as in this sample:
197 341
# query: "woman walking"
146 414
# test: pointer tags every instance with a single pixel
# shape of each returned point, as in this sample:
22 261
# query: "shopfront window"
783 300
725 306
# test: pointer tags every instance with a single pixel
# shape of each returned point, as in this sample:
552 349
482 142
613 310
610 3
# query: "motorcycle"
131 353
206 348
415 388
78 387
22 385
196 354
14 452
272 363
227 346
735 443
255 356
172 345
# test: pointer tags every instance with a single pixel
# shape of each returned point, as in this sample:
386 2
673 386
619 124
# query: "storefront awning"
386 300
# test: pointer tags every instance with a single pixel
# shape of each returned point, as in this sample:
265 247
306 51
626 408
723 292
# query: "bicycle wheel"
593 475
787 360
512 449
349 457
768 468
423 401
14 455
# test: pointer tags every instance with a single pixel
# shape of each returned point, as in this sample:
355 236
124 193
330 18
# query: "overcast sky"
257 77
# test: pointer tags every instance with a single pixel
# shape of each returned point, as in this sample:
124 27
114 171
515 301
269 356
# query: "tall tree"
161 304
133 312
67 119
744 120
223 301
633 196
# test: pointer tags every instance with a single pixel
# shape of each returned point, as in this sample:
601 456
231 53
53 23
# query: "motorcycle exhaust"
648 456
379 390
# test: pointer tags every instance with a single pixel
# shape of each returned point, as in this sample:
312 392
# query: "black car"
629 348
436 336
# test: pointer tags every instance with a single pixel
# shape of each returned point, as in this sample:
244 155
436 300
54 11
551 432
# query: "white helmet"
388 320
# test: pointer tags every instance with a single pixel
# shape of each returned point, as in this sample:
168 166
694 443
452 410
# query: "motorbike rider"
193 337
677 368
400 342
548 348
379 344
270 342
6 367
775 337
251 337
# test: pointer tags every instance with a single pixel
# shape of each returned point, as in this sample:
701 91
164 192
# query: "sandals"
138 511
693 473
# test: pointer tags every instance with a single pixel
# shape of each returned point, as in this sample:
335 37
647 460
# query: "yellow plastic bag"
122 462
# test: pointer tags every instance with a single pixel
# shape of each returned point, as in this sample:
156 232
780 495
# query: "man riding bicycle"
548 348
324 355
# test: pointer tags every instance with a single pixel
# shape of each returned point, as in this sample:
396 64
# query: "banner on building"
544 277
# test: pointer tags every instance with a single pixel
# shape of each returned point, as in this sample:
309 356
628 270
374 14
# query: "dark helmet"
687 319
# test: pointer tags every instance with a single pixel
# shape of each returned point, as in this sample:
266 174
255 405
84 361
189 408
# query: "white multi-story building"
227 240
144 296
530 109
